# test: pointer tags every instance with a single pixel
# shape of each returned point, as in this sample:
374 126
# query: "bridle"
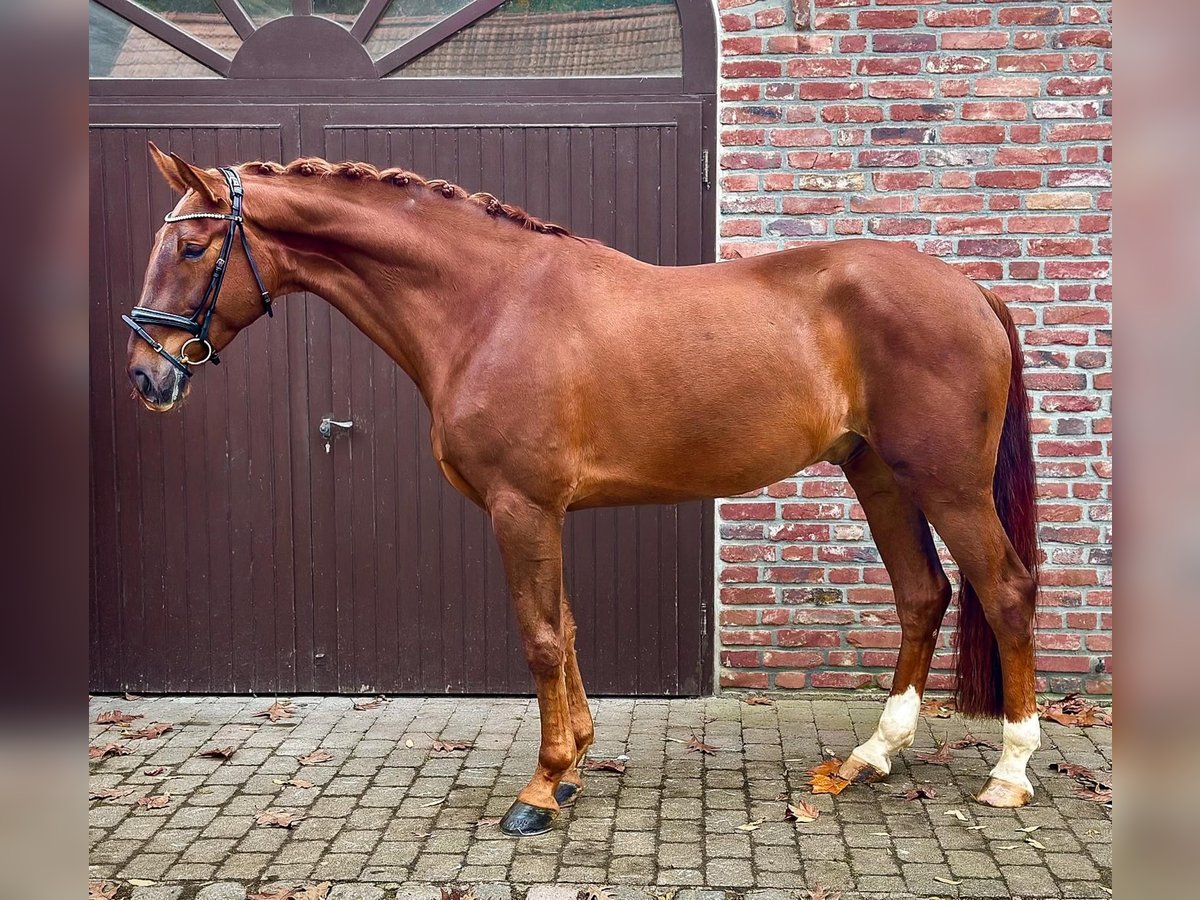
198 323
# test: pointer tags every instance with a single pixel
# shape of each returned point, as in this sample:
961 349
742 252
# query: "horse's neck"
414 275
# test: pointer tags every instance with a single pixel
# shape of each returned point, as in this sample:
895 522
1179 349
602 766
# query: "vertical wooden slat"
106 636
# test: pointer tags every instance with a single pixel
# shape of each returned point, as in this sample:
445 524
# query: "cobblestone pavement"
389 817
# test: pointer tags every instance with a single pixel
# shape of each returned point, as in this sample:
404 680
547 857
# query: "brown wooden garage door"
233 553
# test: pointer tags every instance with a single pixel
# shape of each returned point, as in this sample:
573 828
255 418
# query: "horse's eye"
193 251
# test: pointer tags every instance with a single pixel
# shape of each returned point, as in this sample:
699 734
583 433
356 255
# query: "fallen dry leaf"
1093 787
942 756
108 750
276 711
824 778
941 708
971 741
278 818
217 752
604 765
1073 770
1074 710
828 784
157 770
111 793
944 880
801 811
593 892
757 700
302 783
316 757
1096 795
457 893
752 825
819 893
919 792
696 745
957 813
828 767
131 697
300 892
151 731
374 703
303 892
450 746
488 822
102 890
116 717
156 801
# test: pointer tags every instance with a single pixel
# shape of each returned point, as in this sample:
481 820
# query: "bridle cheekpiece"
198 323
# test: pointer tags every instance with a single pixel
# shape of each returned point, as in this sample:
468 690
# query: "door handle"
328 424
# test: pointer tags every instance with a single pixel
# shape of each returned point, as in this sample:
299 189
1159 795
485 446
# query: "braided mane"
360 171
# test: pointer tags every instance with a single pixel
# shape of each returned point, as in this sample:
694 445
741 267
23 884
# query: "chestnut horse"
562 374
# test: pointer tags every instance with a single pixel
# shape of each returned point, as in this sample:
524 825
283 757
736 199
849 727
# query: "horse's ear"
181 175
167 167
206 184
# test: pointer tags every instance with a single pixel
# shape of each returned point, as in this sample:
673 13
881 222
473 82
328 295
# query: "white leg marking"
1020 740
897 728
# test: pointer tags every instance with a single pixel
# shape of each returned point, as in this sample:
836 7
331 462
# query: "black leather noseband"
198 323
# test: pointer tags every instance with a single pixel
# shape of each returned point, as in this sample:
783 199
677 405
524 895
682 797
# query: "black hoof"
566 793
523 820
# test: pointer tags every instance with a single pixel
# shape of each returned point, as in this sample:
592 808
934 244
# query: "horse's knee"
544 651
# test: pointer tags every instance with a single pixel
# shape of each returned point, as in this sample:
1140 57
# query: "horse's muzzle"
159 387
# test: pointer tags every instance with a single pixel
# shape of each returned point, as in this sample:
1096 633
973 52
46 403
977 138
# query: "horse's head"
200 256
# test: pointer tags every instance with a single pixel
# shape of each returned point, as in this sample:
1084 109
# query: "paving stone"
157 892
551 892
224 890
356 892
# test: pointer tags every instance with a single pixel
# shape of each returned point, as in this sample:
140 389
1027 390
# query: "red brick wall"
980 132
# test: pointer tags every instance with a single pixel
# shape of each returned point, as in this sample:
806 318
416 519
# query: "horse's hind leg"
530 539
922 594
1007 592
581 716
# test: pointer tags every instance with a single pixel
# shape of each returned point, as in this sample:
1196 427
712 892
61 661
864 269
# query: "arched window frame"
696 20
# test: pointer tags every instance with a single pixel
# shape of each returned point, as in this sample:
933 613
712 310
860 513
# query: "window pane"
117 49
560 38
344 12
405 19
199 18
263 11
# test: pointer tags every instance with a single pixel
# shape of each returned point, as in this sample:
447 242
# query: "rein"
198 323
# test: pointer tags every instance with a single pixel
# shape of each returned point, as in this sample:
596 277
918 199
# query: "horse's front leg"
530 538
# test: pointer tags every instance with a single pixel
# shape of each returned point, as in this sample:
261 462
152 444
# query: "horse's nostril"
141 380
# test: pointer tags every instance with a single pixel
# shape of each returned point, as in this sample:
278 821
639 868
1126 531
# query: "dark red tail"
979 689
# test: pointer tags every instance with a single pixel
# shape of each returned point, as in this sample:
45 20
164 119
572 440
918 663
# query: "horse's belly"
681 457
